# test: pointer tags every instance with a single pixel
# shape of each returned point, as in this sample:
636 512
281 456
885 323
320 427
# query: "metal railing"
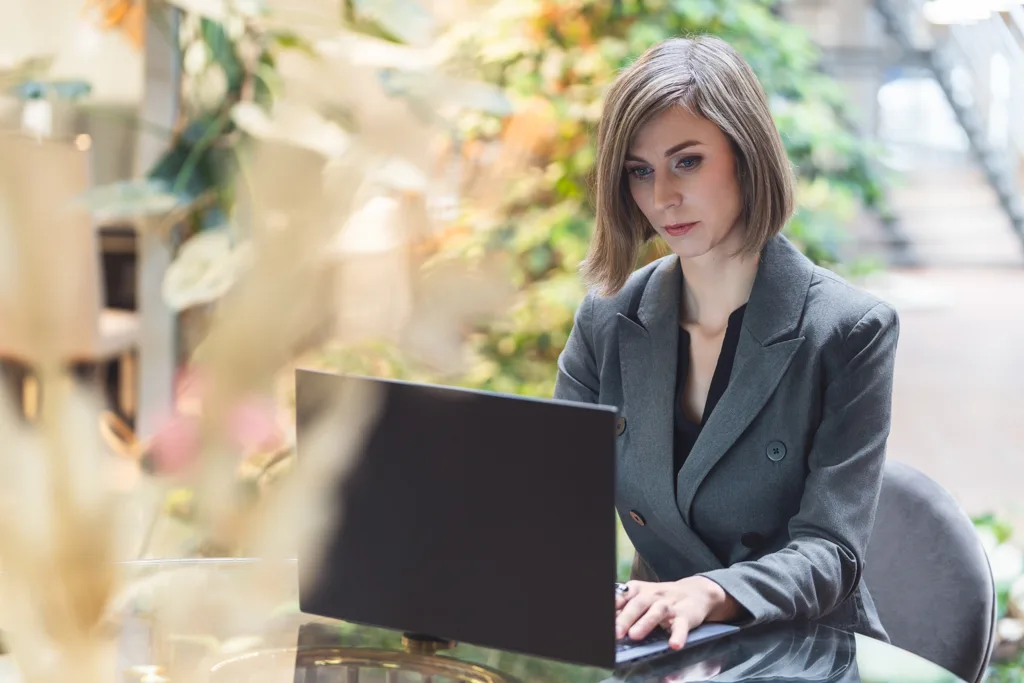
980 68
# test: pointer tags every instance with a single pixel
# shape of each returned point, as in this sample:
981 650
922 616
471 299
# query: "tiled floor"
958 404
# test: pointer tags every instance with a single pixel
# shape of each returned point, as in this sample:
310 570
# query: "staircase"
945 210
951 216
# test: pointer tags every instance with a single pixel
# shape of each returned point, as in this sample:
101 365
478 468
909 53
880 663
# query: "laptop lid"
477 517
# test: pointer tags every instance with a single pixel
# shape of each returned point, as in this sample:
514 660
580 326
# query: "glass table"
198 621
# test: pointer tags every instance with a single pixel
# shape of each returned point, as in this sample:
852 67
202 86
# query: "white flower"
1010 630
208 89
235 27
248 8
215 10
373 278
1016 597
988 539
1007 564
196 57
204 270
130 199
374 228
189 29
295 124
399 174
365 50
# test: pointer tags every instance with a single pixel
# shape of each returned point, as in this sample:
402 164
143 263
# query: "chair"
55 290
929 574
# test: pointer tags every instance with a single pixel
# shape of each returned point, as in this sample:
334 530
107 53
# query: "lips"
680 229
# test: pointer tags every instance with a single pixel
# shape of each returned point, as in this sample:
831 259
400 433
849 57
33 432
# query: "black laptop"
481 518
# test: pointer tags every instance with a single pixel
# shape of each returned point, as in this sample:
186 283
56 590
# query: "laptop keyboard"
658 635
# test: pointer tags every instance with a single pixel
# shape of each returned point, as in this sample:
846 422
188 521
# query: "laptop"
477 517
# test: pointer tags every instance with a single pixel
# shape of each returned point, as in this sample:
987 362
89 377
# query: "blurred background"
904 120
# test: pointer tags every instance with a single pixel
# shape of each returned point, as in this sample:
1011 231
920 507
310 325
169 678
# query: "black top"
687 431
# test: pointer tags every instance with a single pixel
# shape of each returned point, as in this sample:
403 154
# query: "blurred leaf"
289 40
1001 528
190 167
267 83
28 69
216 10
407 20
440 90
294 124
131 199
70 90
60 90
223 53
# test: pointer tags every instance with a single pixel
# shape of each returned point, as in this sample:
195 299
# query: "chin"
688 247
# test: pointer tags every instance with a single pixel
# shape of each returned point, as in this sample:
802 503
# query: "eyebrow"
668 152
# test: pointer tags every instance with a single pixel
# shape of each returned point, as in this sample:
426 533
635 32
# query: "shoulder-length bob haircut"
708 77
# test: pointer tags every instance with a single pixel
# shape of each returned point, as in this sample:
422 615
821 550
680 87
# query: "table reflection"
292 647
791 652
327 651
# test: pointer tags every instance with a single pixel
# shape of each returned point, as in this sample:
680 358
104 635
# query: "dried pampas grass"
342 139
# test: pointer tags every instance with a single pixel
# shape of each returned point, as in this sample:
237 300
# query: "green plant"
555 58
996 534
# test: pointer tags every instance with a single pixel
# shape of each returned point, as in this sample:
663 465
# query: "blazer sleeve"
577 378
822 564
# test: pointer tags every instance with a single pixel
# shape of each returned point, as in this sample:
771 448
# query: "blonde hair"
708 77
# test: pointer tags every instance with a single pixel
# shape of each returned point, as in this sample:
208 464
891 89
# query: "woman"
754 388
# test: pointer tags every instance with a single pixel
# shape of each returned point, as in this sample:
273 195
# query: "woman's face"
682 175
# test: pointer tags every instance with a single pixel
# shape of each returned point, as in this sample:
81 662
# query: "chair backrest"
929 574
52 286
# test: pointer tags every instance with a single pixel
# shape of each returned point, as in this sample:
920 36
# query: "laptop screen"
474 517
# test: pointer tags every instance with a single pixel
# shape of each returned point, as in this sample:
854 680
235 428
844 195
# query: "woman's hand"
678 606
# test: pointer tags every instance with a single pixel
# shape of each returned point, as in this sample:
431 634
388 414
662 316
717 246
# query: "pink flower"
175 445
252 424
189 389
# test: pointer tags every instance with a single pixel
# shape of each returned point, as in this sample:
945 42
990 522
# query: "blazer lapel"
765 351
648 347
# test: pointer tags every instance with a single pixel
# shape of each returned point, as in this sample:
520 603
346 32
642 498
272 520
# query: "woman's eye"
688 163
639 172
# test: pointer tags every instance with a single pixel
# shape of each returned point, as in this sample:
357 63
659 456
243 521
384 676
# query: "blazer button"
776 451
637 517
752 540
620 426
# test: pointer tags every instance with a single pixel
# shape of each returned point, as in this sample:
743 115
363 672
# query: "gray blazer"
777 499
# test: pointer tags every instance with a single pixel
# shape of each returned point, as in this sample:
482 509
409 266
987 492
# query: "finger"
679 632
633 589
658 612
633 610
621 598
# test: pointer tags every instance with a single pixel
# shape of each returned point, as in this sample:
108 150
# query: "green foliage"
1001 532
1008 670
1011 671
54 90
558 56
200 159
1000 528
564 54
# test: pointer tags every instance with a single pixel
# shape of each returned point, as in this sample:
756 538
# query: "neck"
715 285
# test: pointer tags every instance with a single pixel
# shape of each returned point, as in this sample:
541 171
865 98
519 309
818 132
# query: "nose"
666 195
